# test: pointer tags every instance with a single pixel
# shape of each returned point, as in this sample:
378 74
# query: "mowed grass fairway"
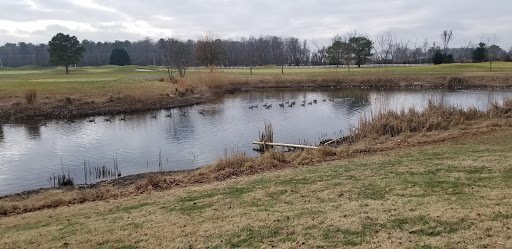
82 81
97 79
456 194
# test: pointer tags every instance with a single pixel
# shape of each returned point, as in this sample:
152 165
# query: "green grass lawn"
435 69
37 74
82 80
454 195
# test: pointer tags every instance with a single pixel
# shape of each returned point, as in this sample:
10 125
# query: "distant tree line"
252 51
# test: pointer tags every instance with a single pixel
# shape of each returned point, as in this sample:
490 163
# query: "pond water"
197 135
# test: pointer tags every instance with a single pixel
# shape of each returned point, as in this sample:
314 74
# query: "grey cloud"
412 20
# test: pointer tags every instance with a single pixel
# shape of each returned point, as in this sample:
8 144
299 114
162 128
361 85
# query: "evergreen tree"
438 57
119 57
480 53
361 48
65 50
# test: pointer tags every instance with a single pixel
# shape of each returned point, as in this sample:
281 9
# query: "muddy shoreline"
127 104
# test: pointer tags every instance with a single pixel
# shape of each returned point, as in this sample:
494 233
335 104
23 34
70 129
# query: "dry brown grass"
30 96
56 198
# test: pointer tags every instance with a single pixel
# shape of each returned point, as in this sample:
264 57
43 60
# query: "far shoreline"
126 104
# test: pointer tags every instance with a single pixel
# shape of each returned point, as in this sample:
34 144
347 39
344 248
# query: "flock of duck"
290 103
109 119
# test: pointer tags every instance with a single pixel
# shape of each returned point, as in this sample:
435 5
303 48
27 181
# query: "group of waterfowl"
110 119
93 120
290 103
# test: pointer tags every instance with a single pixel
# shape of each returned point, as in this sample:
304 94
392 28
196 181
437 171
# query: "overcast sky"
108 20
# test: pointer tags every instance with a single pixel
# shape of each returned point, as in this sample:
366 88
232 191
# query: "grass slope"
452 195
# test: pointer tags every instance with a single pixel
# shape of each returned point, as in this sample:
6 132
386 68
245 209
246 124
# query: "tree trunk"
67 71
282 69
250 68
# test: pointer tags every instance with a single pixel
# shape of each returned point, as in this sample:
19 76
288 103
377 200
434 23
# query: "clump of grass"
183 91
30 96
457 82
325 151
271 159
154 181
503 110
68 100
234 165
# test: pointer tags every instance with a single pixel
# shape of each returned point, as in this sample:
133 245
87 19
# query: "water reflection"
29 153
33 130
1 133
181 126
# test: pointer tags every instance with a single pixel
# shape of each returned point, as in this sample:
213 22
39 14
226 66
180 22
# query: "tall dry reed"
433 118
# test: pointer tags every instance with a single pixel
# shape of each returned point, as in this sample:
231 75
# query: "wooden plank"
286 145
334 140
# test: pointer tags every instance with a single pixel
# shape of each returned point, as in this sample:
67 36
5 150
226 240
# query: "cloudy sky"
37 21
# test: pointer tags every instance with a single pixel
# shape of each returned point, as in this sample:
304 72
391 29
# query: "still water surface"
197 135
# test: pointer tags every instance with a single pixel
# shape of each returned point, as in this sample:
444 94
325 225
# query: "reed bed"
435 117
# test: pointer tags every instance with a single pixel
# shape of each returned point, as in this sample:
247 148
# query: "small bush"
30 96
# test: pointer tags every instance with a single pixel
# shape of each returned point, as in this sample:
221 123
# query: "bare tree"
384 45
464 52
250 49
167 47
492 51
177 55
277 48
293 50
446 37
425 49
182 57
320 56
305 53
209 50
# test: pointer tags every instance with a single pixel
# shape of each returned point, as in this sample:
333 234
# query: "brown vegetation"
30 96
436 117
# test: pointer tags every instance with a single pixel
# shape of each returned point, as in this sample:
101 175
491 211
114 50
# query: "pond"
191 137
